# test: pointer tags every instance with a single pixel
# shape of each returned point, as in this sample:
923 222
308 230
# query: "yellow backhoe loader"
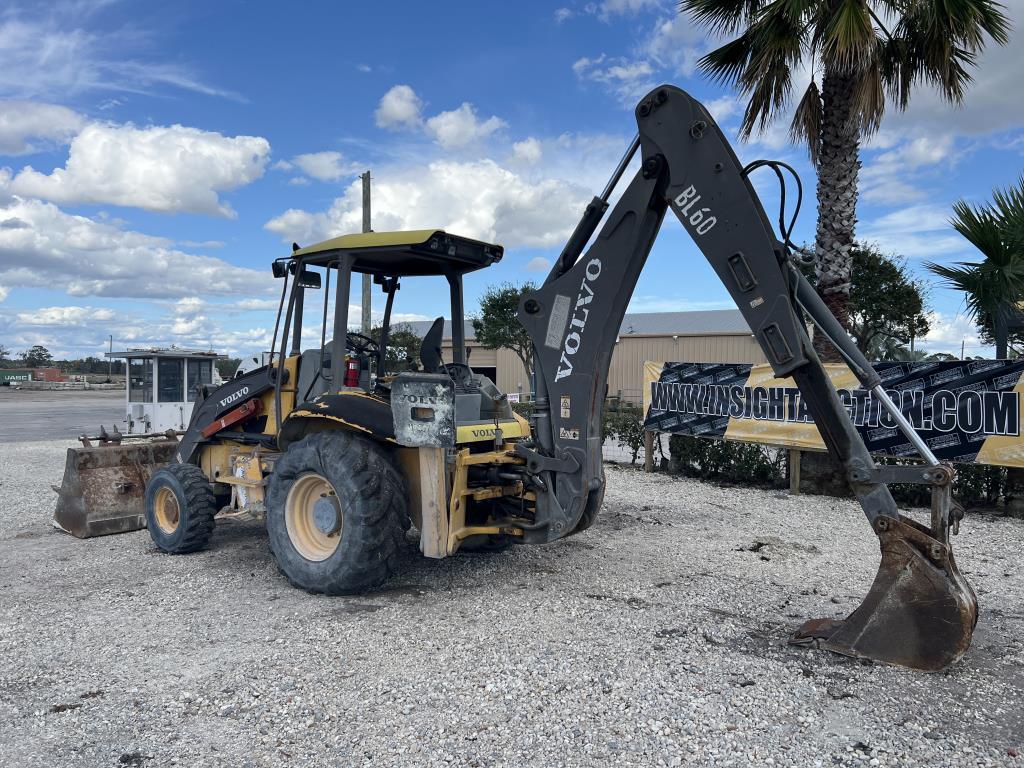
342 457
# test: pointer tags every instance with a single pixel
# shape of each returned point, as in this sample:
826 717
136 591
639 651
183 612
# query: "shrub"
727 461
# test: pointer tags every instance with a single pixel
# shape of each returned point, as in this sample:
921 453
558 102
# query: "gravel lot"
656 638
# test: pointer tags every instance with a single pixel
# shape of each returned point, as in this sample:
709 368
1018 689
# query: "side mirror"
280 268
309 279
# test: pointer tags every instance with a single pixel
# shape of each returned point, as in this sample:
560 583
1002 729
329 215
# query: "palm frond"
979 225
869 92
1009 206
943 38
848 37
723 17
806 125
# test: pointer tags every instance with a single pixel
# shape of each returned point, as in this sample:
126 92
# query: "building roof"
171 351
698 323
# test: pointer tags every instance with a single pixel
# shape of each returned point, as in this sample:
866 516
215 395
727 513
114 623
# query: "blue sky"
154 158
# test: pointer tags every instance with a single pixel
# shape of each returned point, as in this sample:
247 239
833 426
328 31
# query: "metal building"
709 336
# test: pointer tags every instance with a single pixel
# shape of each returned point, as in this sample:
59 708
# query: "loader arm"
573 319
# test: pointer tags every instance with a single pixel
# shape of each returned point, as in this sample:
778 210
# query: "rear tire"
337 512
180 507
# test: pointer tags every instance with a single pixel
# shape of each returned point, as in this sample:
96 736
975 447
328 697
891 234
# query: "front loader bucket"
104 487
920 612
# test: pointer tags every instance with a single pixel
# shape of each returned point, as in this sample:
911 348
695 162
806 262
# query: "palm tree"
863 53
993 287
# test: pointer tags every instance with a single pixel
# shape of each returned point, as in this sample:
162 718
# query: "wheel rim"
307 534
166 510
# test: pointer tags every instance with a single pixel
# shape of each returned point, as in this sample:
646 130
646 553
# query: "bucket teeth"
920 611
104 487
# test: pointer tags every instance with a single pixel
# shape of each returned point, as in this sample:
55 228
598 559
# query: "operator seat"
430 349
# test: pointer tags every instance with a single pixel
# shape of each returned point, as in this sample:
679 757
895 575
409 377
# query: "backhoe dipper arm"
919 612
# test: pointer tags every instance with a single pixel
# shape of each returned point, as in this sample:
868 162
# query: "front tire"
337 512
180 507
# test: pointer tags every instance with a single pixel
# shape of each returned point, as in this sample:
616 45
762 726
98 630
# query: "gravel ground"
655 638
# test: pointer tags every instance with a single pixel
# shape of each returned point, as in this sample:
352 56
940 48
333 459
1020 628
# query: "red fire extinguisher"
351 372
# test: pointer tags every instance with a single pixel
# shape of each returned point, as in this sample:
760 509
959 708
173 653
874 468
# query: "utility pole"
962 342
366 228
110 360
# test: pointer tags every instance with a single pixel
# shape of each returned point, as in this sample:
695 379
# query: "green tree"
227 367
403 352
886 306
863 53
37 357
993 287
498 327
5 353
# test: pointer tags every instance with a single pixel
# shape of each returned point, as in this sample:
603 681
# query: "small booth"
161 386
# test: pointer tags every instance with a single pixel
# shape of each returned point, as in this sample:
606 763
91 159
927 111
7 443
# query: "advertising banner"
967 411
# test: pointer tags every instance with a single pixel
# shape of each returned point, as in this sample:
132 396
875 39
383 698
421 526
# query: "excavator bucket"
104 487
920 612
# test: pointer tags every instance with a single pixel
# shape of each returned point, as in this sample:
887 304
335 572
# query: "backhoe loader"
342 456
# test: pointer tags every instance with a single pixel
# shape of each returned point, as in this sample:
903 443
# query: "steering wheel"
461 374
359 344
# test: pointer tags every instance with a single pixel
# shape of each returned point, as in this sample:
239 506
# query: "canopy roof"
416 252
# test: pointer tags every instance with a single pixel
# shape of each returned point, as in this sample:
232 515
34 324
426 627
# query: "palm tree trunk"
1002 332
838 165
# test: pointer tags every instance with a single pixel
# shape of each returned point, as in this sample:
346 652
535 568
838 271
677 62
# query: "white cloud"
916 231
365 68
723 108
562 14
159 168
28 126
4 292
628 79
65 316
676 43
478 199
204 244
538 264
888 176
55 55
399 108
42 246
946 334
608 8
528 150
324 166
461 126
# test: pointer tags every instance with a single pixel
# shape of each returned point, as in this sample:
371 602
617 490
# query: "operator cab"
363 367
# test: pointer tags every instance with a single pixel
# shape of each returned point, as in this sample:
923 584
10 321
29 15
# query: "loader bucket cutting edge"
919 613
104 487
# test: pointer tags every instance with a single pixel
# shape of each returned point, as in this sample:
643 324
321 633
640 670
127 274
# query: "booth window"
170 380
199 372
140 380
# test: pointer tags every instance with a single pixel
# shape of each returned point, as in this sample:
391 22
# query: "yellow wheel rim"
166 509
312 539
